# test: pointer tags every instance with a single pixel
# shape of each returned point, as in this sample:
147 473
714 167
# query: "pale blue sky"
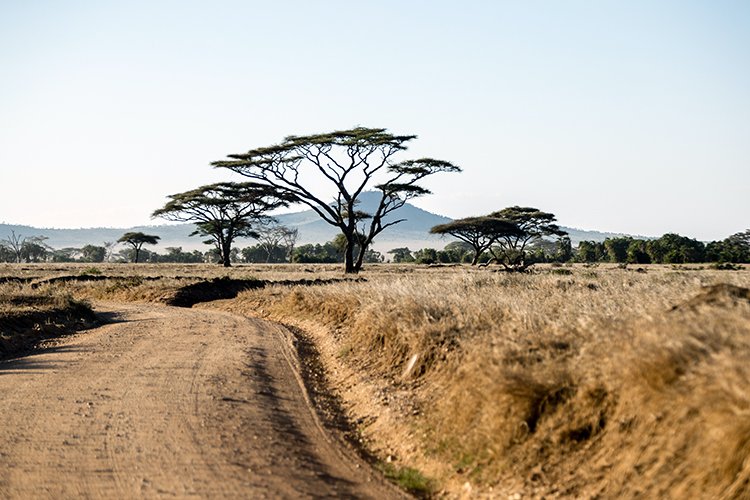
628 116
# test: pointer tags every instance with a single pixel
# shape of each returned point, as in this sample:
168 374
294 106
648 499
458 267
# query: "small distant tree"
327 253
272 237
455 252
479 232
6 254
176 254
564 251
426 256
224 211
212 256
617 248
531 224
109 247
93 253
402 254
348 162
137 240
68 254
735 248
256 254
35 249
589 251
637 252
541 250
15 244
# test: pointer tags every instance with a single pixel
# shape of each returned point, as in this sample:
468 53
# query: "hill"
412 233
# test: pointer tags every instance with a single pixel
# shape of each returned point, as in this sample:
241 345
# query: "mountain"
412 233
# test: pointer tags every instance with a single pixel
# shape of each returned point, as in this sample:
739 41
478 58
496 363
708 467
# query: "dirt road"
167 402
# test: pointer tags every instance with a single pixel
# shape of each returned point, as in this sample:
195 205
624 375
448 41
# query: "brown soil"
170 402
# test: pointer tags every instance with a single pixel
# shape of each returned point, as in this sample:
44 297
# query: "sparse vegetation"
409 479
27 316
567 381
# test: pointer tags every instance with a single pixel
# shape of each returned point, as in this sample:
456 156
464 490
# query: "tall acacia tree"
223 211
532 224
137 240
479 232
347 162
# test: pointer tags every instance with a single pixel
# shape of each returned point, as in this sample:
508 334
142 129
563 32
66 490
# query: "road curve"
168 402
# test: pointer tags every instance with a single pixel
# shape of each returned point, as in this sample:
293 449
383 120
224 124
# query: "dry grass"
582 384
571 382
198 271
28 316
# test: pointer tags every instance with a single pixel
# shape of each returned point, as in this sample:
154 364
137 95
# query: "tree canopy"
348 162
223 211
735 248
479 232
531 224
137 240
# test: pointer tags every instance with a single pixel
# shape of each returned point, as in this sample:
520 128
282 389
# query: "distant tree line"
276 244
668 249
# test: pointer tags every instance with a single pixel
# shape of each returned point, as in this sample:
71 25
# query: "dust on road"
169 402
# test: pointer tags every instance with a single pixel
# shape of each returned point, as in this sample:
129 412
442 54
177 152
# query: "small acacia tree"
93 253
274 236
35 250
137 240
15 243
223 212
479 232
531 224
347 162
402 254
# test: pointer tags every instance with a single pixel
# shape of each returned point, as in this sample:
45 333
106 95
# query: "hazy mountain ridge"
412 233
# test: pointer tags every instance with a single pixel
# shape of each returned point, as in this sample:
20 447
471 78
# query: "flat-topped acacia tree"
137 240
532 224
345 163
223 211
479 232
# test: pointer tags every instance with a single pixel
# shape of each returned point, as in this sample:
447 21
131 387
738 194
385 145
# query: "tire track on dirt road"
172 402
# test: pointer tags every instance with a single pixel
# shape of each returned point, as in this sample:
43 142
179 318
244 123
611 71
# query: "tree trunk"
349 267
225 260
360 259
477 254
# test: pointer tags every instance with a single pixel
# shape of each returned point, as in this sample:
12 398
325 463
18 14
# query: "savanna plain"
585 381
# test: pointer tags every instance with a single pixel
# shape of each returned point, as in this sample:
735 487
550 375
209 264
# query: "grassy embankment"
571 381
28 316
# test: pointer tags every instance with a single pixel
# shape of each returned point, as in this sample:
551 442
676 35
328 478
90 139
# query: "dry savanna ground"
568 381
